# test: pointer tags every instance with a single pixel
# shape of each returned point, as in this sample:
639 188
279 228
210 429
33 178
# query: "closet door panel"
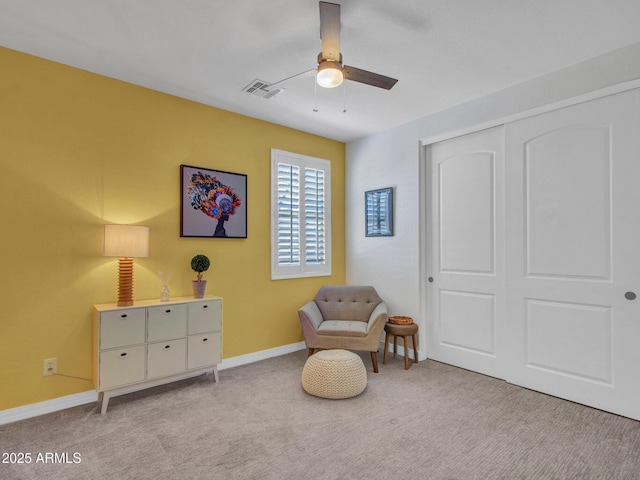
466 252
567 181
573 231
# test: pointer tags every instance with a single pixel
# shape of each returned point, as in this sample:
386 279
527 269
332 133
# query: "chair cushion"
343 328
347 302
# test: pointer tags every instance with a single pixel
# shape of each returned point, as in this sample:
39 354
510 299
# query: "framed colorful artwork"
378 212
213 203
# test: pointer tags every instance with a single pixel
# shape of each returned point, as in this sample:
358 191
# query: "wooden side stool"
403 330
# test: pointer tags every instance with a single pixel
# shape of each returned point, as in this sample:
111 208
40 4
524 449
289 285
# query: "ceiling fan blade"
288 80
330 31
370 78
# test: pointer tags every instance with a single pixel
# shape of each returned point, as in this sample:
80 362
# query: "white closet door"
465 261
573 243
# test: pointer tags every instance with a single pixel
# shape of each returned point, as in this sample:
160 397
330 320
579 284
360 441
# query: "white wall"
391 158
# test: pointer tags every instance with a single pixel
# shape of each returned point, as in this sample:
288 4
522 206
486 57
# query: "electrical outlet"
50 366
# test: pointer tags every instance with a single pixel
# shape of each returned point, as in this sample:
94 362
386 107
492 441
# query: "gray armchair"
344 316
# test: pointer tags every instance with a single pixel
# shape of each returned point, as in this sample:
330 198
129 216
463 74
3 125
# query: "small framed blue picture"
378 212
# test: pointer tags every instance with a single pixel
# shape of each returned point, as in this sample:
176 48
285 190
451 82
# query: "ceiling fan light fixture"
330 74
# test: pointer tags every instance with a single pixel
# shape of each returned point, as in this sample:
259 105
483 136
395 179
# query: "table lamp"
125 242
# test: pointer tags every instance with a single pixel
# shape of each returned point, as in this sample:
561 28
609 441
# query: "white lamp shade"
126 241
329 75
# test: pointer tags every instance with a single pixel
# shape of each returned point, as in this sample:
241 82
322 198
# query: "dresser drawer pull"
167 347
167 311
204 340
205 306
124 315
123 355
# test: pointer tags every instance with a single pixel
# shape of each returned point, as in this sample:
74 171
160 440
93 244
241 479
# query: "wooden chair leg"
310 352
415 349
395 346
406 353
374 360
386 347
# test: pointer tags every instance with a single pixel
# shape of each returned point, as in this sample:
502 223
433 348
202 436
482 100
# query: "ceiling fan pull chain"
344 98
315 95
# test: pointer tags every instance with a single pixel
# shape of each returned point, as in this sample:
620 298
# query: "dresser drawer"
166 358
122 366
122 327
166 322
205 316
203 350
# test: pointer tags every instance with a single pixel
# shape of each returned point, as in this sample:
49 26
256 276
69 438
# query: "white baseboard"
261 355
49 406
62 403
421 356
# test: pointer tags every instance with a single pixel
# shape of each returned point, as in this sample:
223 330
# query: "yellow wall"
78 150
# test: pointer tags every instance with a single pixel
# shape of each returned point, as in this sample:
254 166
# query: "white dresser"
152 343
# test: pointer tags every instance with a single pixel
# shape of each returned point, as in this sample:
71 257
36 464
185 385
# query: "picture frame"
213 203
378 210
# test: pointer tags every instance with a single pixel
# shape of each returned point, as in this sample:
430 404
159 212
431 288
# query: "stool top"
401 330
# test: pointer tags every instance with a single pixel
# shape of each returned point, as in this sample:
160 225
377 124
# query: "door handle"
630 296
430 279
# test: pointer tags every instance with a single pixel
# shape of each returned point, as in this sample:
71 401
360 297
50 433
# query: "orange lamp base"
125 282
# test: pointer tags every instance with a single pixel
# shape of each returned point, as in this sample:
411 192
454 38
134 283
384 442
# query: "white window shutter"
288 217
301 223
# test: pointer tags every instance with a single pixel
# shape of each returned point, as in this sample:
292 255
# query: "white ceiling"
444 52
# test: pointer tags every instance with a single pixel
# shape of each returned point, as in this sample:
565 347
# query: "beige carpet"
433 421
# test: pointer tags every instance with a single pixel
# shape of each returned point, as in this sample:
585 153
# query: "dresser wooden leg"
105 402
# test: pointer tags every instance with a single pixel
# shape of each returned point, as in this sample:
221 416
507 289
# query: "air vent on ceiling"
261 89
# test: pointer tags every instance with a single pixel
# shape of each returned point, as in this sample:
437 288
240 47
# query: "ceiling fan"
330 71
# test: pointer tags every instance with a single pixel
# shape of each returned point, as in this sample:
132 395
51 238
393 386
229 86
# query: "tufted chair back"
350 302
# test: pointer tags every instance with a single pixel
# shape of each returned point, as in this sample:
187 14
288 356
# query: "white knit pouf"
334 374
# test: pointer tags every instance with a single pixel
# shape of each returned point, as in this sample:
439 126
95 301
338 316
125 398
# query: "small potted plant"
200 263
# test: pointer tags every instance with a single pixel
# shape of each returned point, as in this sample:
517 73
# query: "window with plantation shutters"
300 224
